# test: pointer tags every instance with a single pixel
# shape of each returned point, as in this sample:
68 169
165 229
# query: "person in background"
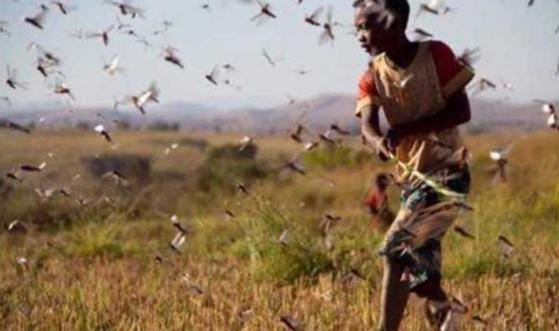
377 202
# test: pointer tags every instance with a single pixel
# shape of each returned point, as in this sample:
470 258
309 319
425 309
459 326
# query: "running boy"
420 87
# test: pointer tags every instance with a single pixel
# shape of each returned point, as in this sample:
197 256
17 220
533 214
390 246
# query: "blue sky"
518 45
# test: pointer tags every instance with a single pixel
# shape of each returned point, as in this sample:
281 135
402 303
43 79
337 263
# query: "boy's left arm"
453 78
456 112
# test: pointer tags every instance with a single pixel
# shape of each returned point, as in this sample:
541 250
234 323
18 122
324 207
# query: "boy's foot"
451 321
444 315
436 312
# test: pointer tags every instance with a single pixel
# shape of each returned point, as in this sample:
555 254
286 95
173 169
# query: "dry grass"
97 272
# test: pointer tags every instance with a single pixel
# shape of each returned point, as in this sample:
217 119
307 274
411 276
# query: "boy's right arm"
368 110
370 129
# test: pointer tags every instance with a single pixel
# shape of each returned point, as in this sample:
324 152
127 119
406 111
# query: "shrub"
229 165
132 166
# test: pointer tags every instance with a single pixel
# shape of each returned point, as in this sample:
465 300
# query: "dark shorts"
457 180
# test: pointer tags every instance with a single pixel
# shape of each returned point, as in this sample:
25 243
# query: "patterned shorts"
424 217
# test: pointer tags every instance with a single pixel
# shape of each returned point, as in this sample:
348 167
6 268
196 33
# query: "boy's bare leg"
394 296
436 304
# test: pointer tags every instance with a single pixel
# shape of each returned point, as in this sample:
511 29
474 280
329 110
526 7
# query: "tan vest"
410 94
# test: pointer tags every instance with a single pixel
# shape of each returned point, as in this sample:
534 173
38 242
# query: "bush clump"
229 165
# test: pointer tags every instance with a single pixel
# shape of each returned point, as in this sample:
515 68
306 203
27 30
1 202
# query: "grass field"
92 265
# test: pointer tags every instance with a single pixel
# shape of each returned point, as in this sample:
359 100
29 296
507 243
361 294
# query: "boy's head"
381 181
380 23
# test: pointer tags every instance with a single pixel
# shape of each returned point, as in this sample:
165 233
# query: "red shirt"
376 201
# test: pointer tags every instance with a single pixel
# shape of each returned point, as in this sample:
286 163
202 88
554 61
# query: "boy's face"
373 36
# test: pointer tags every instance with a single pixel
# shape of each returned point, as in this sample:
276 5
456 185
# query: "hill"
319 112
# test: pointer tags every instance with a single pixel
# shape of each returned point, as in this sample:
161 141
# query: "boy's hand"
384 149
394 136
